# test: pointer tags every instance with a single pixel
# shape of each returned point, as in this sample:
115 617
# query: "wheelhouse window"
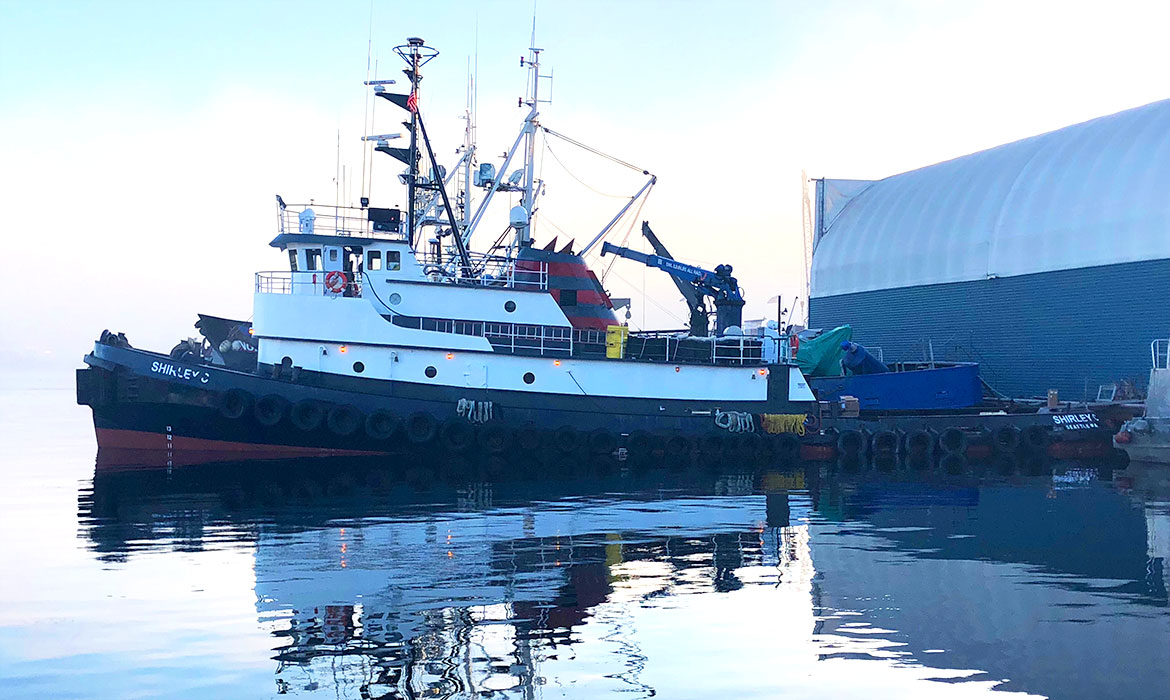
332 255
374 260
568 297
292 260
393 260
313 259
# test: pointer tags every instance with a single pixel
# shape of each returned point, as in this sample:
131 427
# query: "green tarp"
821 356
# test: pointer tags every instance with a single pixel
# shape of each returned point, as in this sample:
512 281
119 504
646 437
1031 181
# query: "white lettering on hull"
187 374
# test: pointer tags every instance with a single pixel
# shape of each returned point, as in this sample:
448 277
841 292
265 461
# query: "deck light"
343 348
556 363
763 372
450 356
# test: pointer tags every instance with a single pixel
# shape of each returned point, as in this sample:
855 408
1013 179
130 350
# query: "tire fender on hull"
307 415
234 403
270 409
381 424
344 420
421 427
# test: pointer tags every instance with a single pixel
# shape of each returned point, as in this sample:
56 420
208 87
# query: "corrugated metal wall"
1070 330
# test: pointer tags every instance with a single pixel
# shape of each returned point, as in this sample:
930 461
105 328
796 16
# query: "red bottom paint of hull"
136 449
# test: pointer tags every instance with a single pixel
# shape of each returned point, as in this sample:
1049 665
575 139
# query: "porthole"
431 372
509 306
395 299
359 367
529 377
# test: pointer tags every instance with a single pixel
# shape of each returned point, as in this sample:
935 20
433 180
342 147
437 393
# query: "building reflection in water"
389 583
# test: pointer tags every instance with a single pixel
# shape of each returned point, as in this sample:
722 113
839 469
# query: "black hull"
152 411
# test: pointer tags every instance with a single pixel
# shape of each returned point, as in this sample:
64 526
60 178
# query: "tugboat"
386 330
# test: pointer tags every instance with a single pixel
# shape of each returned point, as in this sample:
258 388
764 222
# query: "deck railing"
328 220
488 271
311 283
1160 353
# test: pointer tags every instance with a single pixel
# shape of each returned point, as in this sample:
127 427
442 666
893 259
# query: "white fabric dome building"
1046 259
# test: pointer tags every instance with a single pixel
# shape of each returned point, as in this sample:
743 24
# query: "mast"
416 54
524 236
412 73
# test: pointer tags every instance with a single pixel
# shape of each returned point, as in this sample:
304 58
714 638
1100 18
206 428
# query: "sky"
141 143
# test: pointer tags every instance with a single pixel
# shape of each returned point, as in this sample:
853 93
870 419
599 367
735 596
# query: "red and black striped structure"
570 281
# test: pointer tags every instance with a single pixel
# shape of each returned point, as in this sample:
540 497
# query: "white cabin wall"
495 371
470 303
341 320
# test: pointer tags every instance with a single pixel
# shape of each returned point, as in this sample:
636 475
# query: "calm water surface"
519 579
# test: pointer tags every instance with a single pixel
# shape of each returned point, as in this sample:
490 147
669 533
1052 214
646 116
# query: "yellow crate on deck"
615 341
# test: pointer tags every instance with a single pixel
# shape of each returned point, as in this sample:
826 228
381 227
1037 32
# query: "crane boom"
719 285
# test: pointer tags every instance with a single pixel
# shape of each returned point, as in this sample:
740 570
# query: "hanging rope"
735 421
774 423
474 411
594 151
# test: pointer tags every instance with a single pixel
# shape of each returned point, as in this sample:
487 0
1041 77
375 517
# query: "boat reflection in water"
572 581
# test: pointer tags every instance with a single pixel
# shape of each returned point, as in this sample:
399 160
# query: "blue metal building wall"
1070 330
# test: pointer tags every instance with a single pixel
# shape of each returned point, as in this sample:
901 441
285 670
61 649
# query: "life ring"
344 420
335 281
420 428
307 415
270 409
381 424
235 403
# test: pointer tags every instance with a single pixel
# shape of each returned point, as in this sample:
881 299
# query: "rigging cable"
626 237
570 173
594 151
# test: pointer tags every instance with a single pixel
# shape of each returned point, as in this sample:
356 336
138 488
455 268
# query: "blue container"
914 388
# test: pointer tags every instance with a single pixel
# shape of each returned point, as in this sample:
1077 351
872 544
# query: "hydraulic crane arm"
692 296
705 281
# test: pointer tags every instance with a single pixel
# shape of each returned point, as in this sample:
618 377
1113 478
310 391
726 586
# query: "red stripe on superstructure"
600 289
563 269
119 448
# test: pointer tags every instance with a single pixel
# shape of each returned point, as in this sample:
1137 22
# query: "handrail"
561 341
328 219
1160 353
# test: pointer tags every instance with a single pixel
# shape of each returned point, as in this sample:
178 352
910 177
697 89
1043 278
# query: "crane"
695 284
